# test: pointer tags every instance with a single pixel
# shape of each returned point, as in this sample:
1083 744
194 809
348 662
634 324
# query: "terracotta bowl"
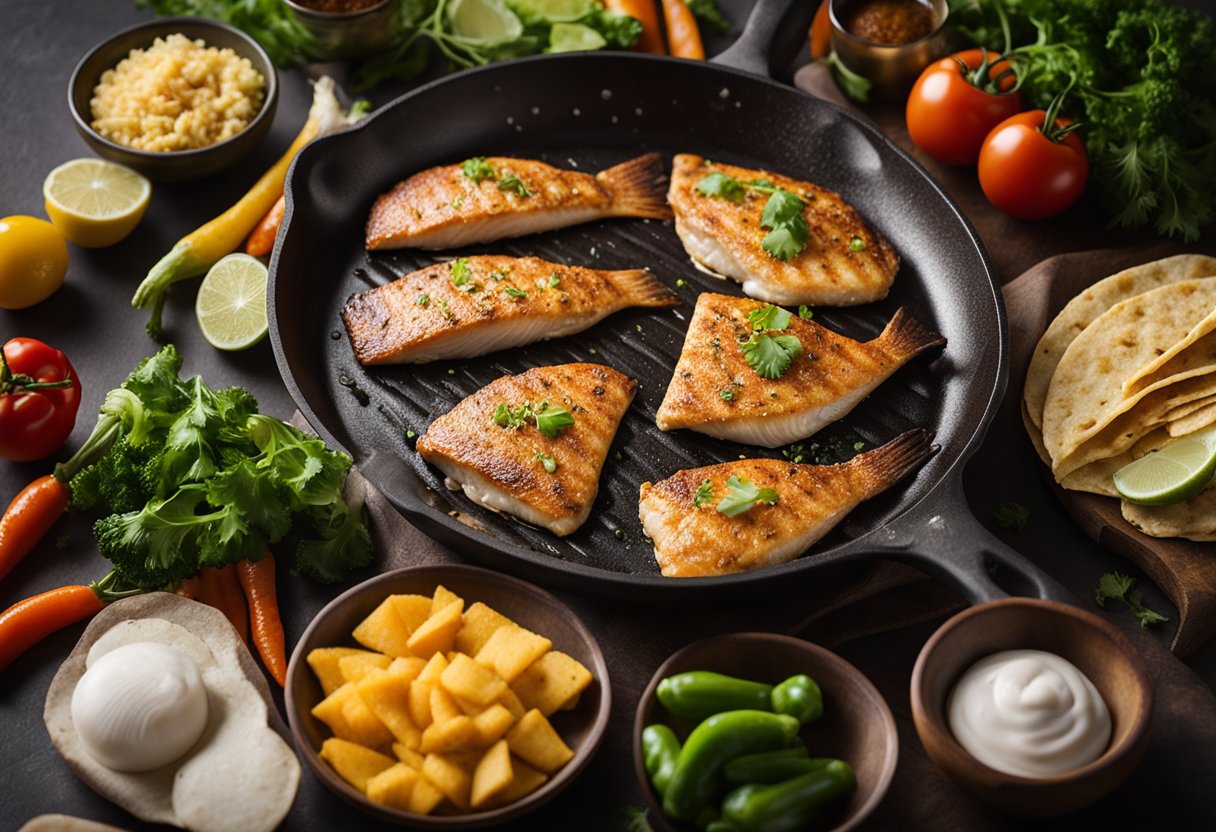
1098 650
529 606
856 725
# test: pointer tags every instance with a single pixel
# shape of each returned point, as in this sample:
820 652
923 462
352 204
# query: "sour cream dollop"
1029 713
139 707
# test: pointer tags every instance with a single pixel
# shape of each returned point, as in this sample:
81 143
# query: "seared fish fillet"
503 467
476 305
693 541
724 238
444 208
715 391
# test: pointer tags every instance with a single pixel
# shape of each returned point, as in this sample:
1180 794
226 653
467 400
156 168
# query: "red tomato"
1029 174
37 409
949 115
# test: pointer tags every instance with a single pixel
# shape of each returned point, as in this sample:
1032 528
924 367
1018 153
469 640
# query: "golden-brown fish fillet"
445 207
724 237
476 305
715 391
692 540
503 467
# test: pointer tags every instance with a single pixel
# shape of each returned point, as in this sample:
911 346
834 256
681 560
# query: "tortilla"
1097 477
1184 410
1086 307
1202 418
240 775
1194 519
1197 349
1086 391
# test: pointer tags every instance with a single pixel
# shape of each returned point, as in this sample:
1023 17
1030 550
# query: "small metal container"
892 70
343 36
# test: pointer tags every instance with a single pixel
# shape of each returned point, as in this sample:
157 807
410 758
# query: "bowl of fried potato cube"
447 697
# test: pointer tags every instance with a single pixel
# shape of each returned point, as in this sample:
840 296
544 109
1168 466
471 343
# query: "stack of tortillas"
1127 367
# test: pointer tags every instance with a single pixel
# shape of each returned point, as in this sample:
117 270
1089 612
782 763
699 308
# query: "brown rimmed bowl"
178 165
1098 650
856 726
529 606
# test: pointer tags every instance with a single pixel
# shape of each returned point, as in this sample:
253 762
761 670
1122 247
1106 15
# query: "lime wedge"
574 37
231 303
554 11
484 22
1177 472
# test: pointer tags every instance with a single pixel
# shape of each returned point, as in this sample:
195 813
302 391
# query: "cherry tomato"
951 111
39 397
1030 174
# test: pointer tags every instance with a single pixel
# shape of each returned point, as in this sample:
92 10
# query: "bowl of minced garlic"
176 98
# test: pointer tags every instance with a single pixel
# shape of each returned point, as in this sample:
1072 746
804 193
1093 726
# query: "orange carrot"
257 579
261 239
188 588
821 32
683 36
651 39
30 516
27 622
221 589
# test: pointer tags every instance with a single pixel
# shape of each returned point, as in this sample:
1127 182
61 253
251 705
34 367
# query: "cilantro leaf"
478 169
507 417
782 207
552 420
1116 586
1010 515
857 244
548 462
423 300
461 272
770 356
723 186
513 183
515 293
805 312
743 496
705 493
769 317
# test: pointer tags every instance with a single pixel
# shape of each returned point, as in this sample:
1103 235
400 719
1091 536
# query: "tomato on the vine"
39 397
1030 171
951 109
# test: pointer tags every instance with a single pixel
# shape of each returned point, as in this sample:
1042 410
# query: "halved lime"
574 37
555 11
1175 473
484 22
231 303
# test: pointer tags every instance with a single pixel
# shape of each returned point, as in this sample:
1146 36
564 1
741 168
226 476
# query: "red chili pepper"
39 397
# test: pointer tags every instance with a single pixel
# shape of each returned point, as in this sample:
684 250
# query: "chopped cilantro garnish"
770 355
727 394
722 186
461 272
705 493
549 463
497 276
515 293
443 307
423 300
478 169
857 244
805 312
513 183
1114 585
857 446
681 283
552 420
555 280
782 216
512 418
743 496
768 317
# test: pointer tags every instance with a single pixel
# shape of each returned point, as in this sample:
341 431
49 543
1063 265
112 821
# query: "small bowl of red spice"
888 42
345 30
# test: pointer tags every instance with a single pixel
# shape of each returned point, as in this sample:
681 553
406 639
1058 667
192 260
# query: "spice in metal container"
891 22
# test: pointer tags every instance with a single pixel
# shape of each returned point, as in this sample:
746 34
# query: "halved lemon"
231 303
95 203
1175 473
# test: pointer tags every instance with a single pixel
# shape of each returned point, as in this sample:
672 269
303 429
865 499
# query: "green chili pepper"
799 697
699 694
711 745
660 749
773 767
788 806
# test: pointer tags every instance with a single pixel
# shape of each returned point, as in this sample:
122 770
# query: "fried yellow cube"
550 682
420 703
450 778
409 667
511 702
438 633
410 756
425 797
492 775
392 787
534 741
354 763
456 734
329 710
413 609
384 631
442 597
433 669
363 726
492 723
526 781
511 649
443 707
477 625
324 663
472 681
359 665
386 694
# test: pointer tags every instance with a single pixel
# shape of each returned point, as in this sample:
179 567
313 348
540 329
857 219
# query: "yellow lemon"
33 261
95 203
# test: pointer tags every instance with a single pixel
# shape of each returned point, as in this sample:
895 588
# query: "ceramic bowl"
529 606
856 725
1097 649
180 165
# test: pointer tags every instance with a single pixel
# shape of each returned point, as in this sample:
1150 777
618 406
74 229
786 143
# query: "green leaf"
743 495
1116 586
722 186
552 420
266 503
461 272
478 169
708 12
344 545
782 208
511 182
805 313
771 356
705 493
769 317
548 462
515 293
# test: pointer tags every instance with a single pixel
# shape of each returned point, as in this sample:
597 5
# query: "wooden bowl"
856 725
1097 649
527 605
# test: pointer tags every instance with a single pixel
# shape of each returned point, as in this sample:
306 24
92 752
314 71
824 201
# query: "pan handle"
750 52
942 537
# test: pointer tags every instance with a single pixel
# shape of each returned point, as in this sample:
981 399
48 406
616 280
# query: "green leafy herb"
478 169
769 317
552 420
705 493
443 307
707 12
409 434
1114 585
743 496
805 313
727 394
549 463
638 327
859 446
1010 515
423 300
782 214
460 271
515 293
270 22
852 84
514 184
508 417
555 280
636 820
770 355
857 244
681 283
722 186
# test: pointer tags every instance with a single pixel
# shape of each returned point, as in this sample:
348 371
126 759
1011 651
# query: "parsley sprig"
705 493
550 420
477 169
770 355
1116 586
782 215
743 497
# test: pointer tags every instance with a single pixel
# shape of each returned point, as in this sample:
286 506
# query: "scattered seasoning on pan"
859 446
409 434
619 534
334 335
638 327
891 22
451 372
355 390
593 350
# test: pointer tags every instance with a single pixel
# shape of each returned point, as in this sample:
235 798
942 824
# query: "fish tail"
888 464
638 188
641 288
905 337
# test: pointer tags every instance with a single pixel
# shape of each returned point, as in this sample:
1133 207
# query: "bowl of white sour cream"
1035 707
